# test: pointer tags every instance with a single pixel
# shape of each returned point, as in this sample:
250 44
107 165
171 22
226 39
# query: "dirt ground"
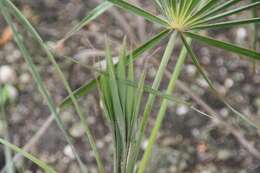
188 142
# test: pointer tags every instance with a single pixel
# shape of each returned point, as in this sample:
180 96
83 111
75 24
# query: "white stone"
7 75
25 78
202 82
68 151
229 83
77 130
241 34
191 70
182 110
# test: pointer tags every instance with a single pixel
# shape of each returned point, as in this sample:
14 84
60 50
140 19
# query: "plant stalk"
7 151
38 80
162 111
135 148
50 56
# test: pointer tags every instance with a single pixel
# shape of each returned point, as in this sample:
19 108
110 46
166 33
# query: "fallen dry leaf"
6 36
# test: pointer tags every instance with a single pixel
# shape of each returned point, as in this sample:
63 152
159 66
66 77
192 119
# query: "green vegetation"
120 94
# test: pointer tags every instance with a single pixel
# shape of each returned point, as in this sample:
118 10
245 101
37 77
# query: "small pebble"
224 112
7 75
182 110
68 152
25 78
77 130
241 34
202 82
220 62
224 154
191 70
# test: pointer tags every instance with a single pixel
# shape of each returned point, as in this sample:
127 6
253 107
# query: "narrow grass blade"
120 120
131 160
226 46
255 25
162 111
214 11
38 162
208 5
228 24
130 91
96 12
220 8
38 79
192 5
231 12
151 98
121 73
50 56
210 83
255 35
7 152
158 78
139 12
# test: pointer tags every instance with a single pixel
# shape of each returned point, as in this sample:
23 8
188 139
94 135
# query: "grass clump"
121 104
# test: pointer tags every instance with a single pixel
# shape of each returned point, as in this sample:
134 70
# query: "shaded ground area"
188 142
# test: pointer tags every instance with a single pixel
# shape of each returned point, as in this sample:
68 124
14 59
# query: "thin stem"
38 80
50 56
255 39
135 148
7 151
162 111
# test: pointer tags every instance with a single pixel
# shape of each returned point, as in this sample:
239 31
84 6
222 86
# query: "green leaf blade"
225 46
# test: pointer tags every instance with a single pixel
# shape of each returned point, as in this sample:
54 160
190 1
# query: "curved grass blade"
50 56
96 12
120 120
38 162
89 86
226 46
231 12
227 24
139 12
210 83
7 152
255 39
219 8
214 11
131 161
39 81
255 25
208 5
151 98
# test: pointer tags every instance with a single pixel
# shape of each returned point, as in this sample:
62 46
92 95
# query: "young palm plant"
184 19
